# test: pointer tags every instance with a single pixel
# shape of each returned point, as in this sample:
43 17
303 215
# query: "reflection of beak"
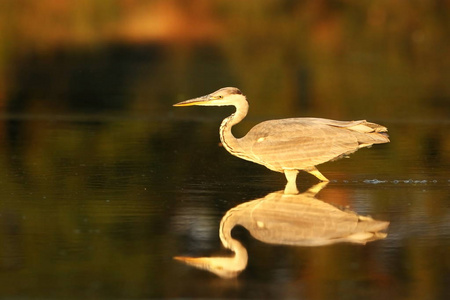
193 261
196 101
225 267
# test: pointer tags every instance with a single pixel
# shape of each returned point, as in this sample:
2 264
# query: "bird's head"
222 97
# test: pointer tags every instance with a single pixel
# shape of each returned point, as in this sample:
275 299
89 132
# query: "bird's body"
290 145
317 141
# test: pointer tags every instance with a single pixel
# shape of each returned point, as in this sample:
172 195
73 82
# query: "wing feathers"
305 142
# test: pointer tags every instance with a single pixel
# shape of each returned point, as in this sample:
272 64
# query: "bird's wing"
298 143
367 133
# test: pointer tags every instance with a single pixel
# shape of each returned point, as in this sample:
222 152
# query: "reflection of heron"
290 145
278 218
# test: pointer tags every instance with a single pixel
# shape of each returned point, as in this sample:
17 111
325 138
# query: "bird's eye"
219 97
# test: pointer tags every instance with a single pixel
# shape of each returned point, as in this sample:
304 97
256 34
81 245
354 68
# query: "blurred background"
102 181
335 58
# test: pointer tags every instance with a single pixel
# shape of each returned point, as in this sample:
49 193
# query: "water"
98 207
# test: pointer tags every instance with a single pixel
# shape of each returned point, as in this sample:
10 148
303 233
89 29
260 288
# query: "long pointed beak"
195 101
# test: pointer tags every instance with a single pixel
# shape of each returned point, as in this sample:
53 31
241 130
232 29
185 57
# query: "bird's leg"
291 185
316 173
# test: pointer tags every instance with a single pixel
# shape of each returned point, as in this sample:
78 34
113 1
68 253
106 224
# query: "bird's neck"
226 136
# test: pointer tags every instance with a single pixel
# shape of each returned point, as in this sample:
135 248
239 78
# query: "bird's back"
299 143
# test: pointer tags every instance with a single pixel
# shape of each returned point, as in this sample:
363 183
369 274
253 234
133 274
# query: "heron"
290 145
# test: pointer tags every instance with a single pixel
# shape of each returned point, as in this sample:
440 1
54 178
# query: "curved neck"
226 136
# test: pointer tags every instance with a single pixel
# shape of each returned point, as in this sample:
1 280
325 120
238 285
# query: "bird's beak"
196 101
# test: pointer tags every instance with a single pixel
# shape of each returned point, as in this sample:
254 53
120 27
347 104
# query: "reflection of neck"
239 261
225 267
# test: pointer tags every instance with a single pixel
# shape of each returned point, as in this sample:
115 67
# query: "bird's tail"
370 133
368 230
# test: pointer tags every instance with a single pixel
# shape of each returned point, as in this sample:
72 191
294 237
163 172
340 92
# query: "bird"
292 220
290 145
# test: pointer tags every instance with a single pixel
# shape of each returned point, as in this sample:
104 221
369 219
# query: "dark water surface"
97 207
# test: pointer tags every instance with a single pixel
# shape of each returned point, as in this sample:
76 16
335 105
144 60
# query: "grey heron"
290 145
